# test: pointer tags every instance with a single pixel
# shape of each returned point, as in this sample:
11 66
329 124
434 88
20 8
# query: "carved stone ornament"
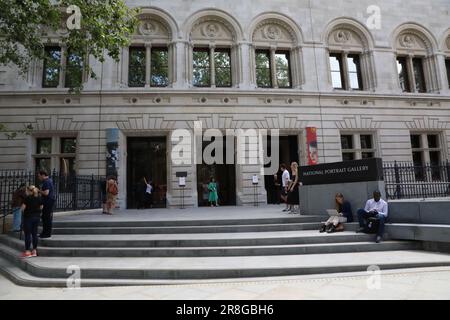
211 30
272 32
448 43
147 28
408 41
342 36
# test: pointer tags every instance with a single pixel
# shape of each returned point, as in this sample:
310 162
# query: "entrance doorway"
225 176
146 158
288 152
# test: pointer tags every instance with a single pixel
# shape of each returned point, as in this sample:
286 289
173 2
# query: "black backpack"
372 225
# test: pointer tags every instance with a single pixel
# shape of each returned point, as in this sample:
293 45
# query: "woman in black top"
32 210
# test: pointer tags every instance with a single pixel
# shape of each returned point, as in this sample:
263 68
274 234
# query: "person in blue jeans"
17 200
48 200
32 209
377 208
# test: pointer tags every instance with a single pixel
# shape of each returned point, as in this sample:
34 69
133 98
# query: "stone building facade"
373 80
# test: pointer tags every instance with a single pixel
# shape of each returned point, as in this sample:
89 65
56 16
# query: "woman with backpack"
112 190
32 210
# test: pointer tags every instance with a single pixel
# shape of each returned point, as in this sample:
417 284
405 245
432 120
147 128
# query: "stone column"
273 65
148 64
173 66
212 66
410 69
345 71
62 70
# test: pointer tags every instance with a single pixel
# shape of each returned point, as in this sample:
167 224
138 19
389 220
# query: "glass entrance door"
146 158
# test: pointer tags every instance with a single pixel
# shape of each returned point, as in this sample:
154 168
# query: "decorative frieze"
358 122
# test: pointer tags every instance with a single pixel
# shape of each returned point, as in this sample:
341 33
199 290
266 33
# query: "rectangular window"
357 146
347 142
447 66
419 75
366 141
74 70
403 74
67 159
222 63
63 159
337 76
426 150
419 165
201 71
52 67
415 141
354 72
263 69
136 67
283 69
159 67
43 151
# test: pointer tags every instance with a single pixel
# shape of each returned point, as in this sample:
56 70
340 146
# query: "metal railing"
76 192
406 180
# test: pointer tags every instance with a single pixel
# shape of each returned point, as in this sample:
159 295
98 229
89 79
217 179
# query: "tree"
106 26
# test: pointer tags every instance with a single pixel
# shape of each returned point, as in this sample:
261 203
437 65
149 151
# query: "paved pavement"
425 283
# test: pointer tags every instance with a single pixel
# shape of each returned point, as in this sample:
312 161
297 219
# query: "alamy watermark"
74 20
232 146
374 280
74 280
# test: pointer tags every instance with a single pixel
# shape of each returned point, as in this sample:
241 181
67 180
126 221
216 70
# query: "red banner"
311 146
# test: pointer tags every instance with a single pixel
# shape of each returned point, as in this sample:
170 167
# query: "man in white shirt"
377 208
285 178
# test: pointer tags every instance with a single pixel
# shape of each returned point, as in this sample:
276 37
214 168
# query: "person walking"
48 200
112 190
32 209
293 198
213 196
17 200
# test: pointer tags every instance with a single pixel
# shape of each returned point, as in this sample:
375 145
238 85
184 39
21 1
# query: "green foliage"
106 27
10 134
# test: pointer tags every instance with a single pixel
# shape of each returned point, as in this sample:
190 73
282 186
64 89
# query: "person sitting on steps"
335 223
375 208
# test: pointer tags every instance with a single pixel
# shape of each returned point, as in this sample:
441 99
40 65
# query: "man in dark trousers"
48 199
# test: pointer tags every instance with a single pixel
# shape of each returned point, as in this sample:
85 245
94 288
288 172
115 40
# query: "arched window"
446 50
416 62
351 64
149 61
213 55
276 53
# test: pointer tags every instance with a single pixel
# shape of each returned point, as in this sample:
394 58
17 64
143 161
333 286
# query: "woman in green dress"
212 188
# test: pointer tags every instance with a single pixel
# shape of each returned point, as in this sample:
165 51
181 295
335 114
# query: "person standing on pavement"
17 200
32 208
112 190
285 179
48 200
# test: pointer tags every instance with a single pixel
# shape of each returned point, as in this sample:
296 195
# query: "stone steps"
113 269
99 221
263 250
189 229
174 249
203 239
